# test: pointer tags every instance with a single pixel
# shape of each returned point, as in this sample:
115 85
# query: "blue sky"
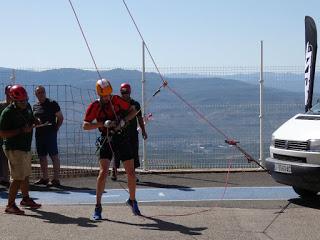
179 33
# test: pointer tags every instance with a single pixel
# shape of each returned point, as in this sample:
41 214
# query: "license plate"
283 168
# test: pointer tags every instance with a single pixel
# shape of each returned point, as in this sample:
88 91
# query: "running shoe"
133 204
28 202
97 213
14 210
54 183
42 181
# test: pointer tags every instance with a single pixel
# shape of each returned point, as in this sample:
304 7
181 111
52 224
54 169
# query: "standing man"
4 168
16 128
125 90
109 114
48 111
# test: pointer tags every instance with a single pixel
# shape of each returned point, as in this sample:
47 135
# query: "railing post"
143 108
13 77
261 116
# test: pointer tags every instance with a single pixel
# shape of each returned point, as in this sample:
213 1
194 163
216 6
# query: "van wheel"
304 193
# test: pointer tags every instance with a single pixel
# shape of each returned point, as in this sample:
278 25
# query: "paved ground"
291 218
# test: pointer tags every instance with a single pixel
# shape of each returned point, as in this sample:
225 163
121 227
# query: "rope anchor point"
231 142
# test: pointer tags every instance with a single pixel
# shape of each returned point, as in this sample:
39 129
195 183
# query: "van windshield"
315 109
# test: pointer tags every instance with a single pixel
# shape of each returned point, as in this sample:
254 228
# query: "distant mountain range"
207 86
200 92
281 80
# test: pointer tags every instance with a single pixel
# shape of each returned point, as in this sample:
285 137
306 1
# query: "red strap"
231 141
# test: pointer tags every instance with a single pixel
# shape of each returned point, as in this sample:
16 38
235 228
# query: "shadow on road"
161 225
307 202
57 218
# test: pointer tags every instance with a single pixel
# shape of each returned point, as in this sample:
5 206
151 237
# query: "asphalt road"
292 218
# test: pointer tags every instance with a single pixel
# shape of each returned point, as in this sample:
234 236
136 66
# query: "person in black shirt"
133 134
48 111
16 128
4 168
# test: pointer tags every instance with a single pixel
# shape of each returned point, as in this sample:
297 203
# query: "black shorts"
47 144
134 144
118 145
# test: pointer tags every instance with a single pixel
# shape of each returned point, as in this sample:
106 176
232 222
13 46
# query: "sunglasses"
125 93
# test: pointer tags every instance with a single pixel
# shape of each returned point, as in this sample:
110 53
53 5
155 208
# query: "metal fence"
178 139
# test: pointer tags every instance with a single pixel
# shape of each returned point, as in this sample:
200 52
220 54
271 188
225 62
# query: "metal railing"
227 96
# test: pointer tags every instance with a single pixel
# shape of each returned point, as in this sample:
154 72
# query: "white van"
295 149
295 153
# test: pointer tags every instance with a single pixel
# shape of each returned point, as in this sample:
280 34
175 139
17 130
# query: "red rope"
165 84
201 211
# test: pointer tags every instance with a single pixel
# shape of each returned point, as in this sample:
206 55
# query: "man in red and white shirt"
109 114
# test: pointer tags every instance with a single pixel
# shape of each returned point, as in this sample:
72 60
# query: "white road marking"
161 194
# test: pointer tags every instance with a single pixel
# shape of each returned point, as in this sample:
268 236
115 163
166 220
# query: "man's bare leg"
13 191
56 166
25 187
44 167
101 182
101 179
129 167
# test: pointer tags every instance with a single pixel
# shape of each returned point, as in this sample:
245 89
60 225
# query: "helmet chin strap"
127 98
102 102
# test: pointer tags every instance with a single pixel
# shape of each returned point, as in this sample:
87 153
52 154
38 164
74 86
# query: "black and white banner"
310 59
